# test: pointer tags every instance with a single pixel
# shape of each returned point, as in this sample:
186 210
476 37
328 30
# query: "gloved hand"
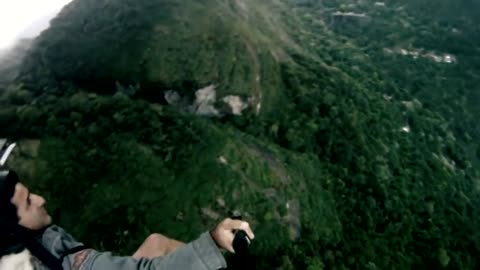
224 233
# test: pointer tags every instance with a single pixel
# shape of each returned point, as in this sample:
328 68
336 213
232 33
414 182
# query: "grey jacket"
201 254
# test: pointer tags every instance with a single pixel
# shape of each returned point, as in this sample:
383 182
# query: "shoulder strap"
39 251
44 255
73 251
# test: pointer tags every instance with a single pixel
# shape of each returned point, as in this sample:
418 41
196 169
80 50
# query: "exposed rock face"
172 97
205 99
236 104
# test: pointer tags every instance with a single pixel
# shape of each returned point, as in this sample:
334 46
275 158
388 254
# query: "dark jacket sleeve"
201 254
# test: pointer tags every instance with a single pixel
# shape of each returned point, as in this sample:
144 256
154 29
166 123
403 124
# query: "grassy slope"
258 181
181 45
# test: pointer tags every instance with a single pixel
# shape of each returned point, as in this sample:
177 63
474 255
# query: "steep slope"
360 158
187 173
162 45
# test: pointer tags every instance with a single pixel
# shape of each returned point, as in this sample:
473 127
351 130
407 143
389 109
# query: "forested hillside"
345 131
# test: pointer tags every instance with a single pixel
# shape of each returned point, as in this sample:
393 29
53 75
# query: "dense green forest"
344 131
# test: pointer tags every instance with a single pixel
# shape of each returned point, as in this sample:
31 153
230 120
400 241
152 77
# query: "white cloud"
18 18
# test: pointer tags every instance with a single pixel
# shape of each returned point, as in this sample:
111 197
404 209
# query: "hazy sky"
25 18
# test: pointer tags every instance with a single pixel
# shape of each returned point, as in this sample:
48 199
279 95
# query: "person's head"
20 206
22 219
30 207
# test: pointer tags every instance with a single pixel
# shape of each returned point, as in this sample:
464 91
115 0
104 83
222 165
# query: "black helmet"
8 211
8 181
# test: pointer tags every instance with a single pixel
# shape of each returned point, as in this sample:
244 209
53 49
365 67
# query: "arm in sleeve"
58 242
201 254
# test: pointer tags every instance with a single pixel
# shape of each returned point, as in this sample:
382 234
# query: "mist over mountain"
11 60
35 28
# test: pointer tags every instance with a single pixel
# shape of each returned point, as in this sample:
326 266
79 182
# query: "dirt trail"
256 71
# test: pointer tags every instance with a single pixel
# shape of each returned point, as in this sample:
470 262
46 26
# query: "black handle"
241 244
241 241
